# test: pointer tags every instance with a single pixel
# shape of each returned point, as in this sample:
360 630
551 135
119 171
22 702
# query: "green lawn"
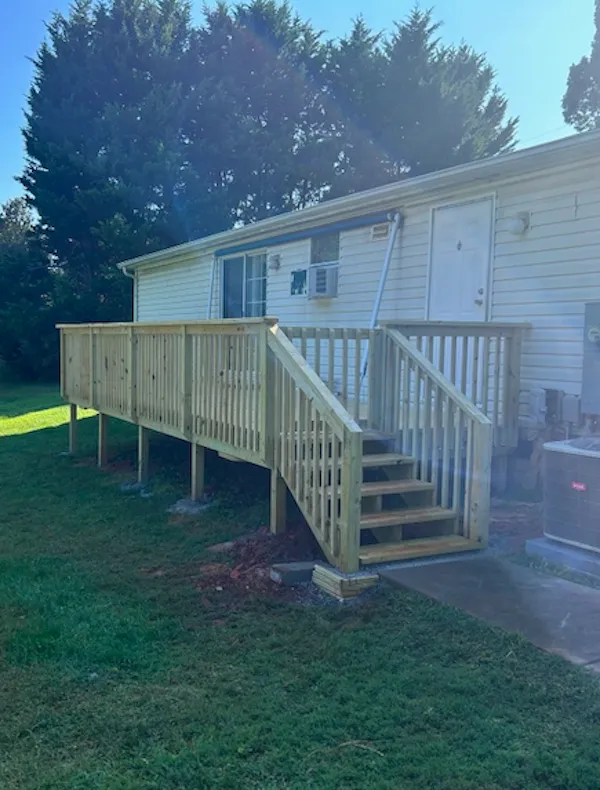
117 673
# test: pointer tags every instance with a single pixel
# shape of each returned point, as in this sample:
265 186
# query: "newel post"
265 375
481 482
187 377
351 500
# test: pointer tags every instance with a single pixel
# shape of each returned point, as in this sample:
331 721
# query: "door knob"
478 302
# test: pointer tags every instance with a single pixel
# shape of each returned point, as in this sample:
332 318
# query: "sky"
530 43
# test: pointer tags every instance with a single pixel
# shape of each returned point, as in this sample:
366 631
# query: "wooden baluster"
345 368
303 343
464 362
485 376
496 416
331 360
325 487
318 352
357 376
457 505
447 417
468 479
316 481
307 447
334 481
453 360
426 428
475 372
406 399
300 443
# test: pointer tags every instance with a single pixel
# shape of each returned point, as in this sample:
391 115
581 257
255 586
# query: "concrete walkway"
555 614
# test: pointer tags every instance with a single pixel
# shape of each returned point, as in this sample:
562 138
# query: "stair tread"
382 487
386 552
393 518
387 459
371 434
419 547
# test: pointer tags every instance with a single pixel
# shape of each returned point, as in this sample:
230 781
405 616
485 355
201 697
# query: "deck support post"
197 471
278 502
143 454
72 428
102 439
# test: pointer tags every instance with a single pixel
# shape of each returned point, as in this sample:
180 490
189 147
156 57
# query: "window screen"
325 248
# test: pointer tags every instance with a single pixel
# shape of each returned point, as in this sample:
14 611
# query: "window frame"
333 261
245 281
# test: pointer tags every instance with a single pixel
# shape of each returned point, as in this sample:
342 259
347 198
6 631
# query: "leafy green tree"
264 66
581 102
105 142
413 105
28 343
144 131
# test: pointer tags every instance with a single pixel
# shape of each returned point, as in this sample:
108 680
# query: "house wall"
546 276
174 292
543 277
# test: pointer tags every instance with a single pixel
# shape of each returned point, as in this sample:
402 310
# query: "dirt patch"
513 523
250 559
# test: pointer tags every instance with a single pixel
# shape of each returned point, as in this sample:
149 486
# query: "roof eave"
388 197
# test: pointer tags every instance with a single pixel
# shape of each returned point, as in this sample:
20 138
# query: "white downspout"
134 278
211 287
382 280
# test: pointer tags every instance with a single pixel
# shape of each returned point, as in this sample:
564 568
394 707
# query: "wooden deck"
363 427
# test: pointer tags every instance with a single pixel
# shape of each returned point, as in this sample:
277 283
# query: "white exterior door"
460 262
458 284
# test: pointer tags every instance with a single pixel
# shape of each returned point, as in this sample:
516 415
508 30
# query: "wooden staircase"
398 517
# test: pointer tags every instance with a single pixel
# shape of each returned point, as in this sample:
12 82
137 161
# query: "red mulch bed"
243 566
513 523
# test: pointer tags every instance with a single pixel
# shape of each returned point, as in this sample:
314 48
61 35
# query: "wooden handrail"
208 324
317 450
306 377
421 361
437 424
461 327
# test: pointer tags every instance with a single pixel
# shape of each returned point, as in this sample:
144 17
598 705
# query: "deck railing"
203 381
256 392
317 450
437 424
240 388
337 356
482 360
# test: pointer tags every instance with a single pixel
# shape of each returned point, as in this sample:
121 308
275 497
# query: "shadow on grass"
17 400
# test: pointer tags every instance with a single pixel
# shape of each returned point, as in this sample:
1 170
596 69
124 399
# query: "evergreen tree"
143 131
581 102
28 342
416 105
263 65
105 142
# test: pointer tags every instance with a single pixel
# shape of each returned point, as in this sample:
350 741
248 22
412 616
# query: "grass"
117 674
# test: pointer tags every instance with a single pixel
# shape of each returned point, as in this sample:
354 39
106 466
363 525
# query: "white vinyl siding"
543 277
174 292
547 275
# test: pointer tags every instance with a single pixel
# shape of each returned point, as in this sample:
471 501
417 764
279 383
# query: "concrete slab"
570 557
557 615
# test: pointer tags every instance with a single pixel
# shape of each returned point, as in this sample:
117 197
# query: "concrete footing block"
291 573
571 557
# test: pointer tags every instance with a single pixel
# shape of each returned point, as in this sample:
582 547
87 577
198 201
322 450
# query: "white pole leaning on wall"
382 280
211 287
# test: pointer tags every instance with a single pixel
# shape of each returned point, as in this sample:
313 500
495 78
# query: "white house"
514 238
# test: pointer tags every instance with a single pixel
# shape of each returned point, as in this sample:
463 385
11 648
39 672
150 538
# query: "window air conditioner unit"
323 281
